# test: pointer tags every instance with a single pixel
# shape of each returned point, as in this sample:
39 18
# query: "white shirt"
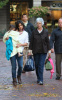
40 31
25 23
23 38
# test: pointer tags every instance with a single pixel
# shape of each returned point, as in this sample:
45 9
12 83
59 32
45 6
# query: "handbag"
29 66
48 65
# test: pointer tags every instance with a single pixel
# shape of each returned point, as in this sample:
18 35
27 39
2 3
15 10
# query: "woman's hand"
52 50
18 45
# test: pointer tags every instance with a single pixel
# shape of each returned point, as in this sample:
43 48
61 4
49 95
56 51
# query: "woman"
39 45
23 39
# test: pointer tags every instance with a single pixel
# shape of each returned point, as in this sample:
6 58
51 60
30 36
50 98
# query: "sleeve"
31 41
48 42
26 39
5 36
52 39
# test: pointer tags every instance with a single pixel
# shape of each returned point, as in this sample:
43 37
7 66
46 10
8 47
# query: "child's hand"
29 54
18 45
7 38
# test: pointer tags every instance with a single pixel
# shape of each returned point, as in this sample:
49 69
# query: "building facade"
13 11
15 8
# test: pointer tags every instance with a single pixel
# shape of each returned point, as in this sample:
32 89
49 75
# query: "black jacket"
39 42
29 28
56 39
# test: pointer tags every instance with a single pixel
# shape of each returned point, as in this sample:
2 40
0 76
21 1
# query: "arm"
52 39
5 37
47 40
31 41
19 45
25 41
31 44
48 45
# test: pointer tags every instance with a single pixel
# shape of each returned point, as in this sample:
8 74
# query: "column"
36 2
4 18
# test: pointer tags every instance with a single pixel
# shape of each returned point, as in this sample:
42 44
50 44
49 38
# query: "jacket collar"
38 32
59 28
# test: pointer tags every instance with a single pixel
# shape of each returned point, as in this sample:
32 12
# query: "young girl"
15 39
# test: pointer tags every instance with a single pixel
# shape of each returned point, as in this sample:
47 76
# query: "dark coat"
39 42
29 28
56 39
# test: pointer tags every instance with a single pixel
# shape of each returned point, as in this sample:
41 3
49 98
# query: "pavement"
29 90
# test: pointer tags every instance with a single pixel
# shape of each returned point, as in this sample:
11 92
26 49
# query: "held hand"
7 38
29 54
49 55
18 45
52 50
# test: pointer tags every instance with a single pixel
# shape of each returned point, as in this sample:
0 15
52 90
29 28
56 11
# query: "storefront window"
17 9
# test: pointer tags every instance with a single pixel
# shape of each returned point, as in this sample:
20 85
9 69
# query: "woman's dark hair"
17 25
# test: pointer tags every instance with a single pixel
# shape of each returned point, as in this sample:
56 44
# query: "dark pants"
39 64
58 64
20 65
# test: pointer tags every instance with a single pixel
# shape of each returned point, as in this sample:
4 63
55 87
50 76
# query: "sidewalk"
29 90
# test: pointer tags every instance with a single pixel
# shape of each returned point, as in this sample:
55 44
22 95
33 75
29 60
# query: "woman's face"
20 26
39 25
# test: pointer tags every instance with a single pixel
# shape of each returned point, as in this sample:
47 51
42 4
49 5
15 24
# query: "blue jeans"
39 59
20 65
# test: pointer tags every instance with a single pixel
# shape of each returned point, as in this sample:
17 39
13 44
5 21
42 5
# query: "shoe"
57 78
37 81
23 71
40 83
19 79
14 82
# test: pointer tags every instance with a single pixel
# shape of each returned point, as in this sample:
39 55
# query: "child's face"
13 29
20 26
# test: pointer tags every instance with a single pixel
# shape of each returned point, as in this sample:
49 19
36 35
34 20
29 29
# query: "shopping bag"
29 66
48 65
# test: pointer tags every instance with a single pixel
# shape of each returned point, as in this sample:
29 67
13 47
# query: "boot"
14 82
19 79
23 71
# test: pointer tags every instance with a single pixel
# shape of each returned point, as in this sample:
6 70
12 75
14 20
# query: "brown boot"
23 71
14 82
19 79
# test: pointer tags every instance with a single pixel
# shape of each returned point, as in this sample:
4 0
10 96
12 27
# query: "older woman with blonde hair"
39 45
